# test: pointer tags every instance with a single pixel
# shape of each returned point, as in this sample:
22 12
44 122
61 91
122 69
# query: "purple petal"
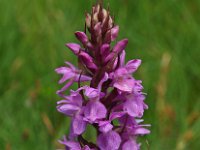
128 120
105 49
105 126
109 141
62 102
75 48
83 78
134 106
92 92
141 131
121 59
133 109
67 74
88 60
82 37
139 120
66 77
133 65
105 78
63 70
122 80
118 48
76 98
68 109
138 86
94 110
115 115
114 32
124 84
107 38
78 125
71 105
121 72
71 81
70 65
131 145
71 144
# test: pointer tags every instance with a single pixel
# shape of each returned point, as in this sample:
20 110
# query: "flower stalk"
111 92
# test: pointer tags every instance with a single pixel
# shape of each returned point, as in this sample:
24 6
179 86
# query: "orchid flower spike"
106 92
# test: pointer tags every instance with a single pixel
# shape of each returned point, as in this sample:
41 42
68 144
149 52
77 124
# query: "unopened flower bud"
87 60
105 49
75 48
88 20
118 48
82 37
114 32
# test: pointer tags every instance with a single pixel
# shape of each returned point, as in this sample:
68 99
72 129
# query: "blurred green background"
165 34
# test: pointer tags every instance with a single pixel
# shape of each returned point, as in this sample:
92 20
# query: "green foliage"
164 34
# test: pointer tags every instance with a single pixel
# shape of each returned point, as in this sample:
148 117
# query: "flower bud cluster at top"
112 100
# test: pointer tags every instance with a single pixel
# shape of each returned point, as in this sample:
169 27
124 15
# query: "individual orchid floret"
72 107
122 77
72 74
71 104
108 97
134 105
94 110
122 80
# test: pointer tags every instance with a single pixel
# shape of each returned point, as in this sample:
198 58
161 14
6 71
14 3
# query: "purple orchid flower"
110 93
72 74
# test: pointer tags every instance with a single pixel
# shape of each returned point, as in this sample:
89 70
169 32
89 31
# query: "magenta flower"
110 92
